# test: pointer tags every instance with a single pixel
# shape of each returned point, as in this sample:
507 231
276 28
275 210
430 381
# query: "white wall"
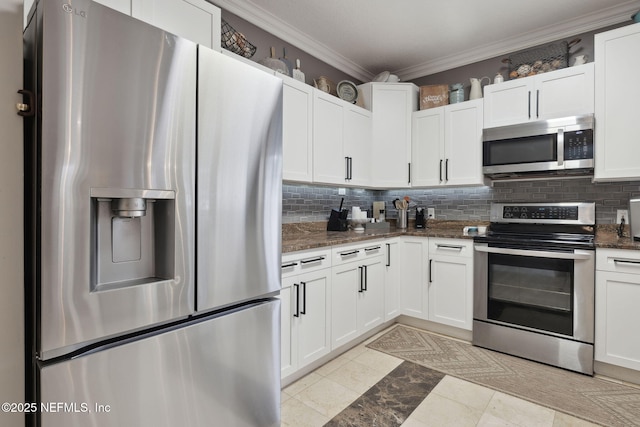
11 213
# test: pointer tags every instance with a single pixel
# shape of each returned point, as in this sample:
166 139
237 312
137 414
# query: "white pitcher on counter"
476 88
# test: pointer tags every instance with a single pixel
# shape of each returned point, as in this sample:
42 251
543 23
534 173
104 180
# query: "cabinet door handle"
366 279
304 298
430 264
361 280
529 103
309 261
631 263
346 168
297 288
373 248
537 103
446 170
350 168
440 170
409 167
291 264
388 255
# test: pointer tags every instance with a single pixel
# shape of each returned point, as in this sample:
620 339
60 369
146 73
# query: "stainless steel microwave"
542 148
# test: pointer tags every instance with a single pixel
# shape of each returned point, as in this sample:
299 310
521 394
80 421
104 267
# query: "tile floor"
316 398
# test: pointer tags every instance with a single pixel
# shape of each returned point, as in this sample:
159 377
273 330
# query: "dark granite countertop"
301 236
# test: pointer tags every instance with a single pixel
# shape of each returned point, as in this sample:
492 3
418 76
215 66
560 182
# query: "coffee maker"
420 217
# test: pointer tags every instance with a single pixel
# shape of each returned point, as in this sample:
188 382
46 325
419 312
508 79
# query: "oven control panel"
540 212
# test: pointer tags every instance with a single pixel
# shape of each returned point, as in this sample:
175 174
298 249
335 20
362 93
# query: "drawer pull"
621 261
291 264
349 253
458 248
375 248
309 261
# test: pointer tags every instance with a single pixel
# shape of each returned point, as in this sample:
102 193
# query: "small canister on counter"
456 94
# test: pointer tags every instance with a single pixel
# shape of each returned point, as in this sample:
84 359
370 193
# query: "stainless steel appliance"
148 302
534 283
542 148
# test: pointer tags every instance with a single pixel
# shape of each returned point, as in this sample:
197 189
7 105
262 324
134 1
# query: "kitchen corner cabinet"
305 309
617 147
341 139
447 145
450 282
617 300
560 93
195 20
357 293
297 130
391 105
392 278
413 276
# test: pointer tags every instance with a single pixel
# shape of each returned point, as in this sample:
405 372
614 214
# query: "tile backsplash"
311 203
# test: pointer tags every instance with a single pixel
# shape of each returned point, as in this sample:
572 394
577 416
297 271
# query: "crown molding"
274 25
582 24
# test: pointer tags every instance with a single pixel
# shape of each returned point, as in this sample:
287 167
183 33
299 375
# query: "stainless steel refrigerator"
153 203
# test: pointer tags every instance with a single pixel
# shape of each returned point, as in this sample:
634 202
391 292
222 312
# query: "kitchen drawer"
451 247
618 260
357 252
305 261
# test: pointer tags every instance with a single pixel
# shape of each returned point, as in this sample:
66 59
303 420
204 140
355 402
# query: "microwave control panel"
578 145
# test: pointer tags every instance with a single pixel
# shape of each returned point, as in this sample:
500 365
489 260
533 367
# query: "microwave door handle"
575 255
561 147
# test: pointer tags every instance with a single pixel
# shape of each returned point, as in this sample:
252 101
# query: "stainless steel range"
534 283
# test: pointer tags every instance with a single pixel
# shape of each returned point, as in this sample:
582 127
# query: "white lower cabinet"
392 278
450 282
357 294
413 289
617 302
306 311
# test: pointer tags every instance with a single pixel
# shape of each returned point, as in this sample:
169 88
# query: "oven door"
542 290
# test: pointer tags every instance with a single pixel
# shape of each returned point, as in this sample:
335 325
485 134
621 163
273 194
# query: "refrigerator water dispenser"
132 239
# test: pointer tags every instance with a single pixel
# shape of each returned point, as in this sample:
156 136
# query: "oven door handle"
576 254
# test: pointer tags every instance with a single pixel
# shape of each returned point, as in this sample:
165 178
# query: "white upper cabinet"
297 131
341 142
329 161
195 20
447 145
617 146
560 93
391 105
123 6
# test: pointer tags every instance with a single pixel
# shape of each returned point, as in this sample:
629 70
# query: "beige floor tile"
284 397
327 397
412 422
469 394
489 420
332 365
381 362
302 383
355 351
296 414
436 411
356 376
563 420
519 412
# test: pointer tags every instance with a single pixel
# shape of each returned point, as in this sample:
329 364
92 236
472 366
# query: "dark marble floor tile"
390 402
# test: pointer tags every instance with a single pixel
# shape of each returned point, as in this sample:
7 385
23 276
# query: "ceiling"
414 38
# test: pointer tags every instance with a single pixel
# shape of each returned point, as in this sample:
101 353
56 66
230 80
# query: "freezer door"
222 371
239 181
118 126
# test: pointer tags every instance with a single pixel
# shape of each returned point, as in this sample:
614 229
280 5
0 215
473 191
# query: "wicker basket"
235 41
540 60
